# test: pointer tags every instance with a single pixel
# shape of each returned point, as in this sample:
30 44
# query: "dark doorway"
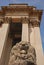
15 32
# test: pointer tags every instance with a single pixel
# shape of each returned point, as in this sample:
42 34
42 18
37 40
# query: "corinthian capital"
8 20
25 20
35 22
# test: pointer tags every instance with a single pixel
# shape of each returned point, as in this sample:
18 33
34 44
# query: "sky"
38 3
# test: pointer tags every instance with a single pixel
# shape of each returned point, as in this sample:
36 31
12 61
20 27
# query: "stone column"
31 34
38 44
3 38
25 35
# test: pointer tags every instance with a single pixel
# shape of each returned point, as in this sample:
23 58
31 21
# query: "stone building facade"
20 22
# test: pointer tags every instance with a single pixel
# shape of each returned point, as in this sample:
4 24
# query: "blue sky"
38 3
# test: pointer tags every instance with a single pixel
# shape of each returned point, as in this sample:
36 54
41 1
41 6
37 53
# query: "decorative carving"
35 22
22 54
24 20
8 20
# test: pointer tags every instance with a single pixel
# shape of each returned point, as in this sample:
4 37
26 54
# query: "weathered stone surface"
22 54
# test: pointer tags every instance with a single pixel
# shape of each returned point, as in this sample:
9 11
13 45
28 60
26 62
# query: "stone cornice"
18 4
31 10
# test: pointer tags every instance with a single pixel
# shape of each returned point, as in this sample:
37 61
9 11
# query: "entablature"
18 11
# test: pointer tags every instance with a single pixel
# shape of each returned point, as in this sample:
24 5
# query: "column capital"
35 22
8 20
24 20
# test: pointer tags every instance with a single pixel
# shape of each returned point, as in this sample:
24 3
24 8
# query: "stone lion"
22 54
